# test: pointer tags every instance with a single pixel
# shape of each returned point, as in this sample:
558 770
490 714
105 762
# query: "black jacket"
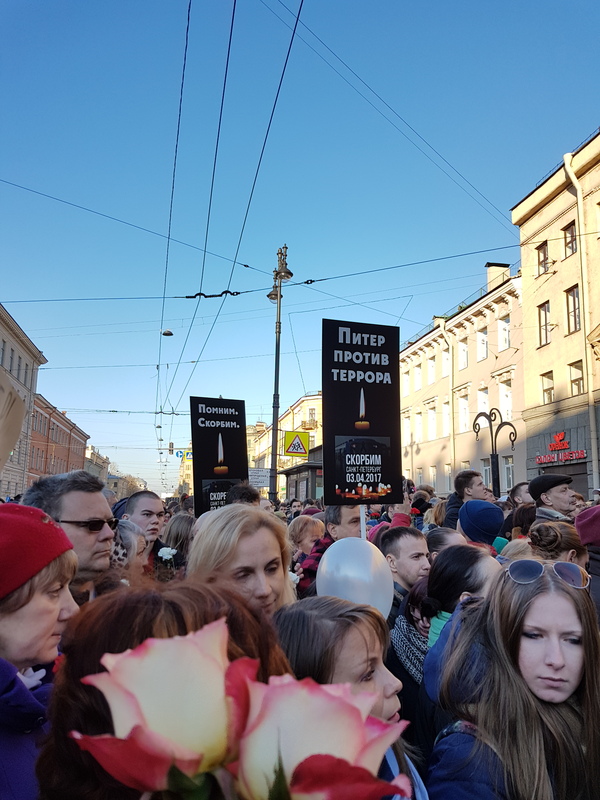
452 508
594 570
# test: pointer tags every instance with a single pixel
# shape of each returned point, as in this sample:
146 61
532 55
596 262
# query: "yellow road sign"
296 443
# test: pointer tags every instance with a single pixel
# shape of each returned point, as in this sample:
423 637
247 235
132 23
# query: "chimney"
496 274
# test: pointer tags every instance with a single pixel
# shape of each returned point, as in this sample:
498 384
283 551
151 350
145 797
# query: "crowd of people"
491 649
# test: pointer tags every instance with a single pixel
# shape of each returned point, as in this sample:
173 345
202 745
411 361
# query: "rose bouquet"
189 722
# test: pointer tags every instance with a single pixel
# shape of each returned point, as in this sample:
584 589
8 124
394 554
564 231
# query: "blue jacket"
455 775
22 727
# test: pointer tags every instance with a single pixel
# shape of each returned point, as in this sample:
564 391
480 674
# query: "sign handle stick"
363 523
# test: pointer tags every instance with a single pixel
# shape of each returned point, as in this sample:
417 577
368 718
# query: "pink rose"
173 702
294 720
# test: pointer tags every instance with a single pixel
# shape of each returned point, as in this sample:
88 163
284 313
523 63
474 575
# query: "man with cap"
587 524
553 498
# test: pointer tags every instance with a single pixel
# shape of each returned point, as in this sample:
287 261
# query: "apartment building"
466 362
20 360
559 225
57 444
96 464
303 415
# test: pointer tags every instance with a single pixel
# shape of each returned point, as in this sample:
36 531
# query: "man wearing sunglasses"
555 500
76 502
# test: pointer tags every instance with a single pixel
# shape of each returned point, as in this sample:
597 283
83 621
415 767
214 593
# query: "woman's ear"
571 556
464 596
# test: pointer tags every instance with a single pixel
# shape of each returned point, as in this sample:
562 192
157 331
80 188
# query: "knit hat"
309 511
542 483
29 541
587 524
481 521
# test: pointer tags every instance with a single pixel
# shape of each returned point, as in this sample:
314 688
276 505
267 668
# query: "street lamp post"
281 274
495 416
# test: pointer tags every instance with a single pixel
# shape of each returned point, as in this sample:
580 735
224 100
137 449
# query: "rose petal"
237 678
322 777
379 736
125 709
176 680
285 725
142 761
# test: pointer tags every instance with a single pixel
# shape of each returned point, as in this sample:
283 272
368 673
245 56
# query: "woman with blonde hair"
304 531
557 541
521 678
243 548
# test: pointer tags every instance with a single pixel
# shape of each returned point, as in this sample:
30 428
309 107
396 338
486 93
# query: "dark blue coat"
22 727
454 774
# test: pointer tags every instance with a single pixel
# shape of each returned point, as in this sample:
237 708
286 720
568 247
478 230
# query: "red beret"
29 541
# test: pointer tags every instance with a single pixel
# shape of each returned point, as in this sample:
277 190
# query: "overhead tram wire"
393 111
171 199
210 199
239 244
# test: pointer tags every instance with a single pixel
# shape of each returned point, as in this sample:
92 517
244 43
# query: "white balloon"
354 569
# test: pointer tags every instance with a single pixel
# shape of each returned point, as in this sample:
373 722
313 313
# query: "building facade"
20 360
57 444
304 415
96 464
467 362
559 225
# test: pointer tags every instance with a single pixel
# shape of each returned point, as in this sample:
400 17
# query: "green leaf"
279 790
202 787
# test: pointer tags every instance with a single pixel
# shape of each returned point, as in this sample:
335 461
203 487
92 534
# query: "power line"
212 185
172 197
388 106
258 166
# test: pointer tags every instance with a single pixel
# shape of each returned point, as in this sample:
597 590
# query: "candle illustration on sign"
220 469
361 424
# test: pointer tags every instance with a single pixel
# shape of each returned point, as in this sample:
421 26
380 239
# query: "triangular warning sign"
296 447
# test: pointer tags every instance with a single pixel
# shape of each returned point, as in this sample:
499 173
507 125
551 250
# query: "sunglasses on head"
526 571
93 525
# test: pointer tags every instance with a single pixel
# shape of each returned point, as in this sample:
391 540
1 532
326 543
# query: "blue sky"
90 95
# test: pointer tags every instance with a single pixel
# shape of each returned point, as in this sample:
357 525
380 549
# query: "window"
463 414
312 414
448 476
446 419
547 387
576 378
505 392
465 465
482 344
486 471
544 323
504 333
542 258
431 370
573 315
433 476
418 427
570 239
445 362
406 429
2 351
417 377
431 423
483 405
509 472
463 354
19 365
11 361
419 476
405 384
26 378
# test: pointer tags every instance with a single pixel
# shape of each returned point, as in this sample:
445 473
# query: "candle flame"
220 450
361 414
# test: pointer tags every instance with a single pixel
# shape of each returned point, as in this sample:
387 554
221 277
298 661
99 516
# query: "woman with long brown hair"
521 678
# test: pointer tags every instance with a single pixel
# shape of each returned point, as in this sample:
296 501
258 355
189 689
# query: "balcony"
309 425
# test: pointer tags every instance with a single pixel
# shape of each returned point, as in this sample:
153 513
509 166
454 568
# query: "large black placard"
220 457
361 413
